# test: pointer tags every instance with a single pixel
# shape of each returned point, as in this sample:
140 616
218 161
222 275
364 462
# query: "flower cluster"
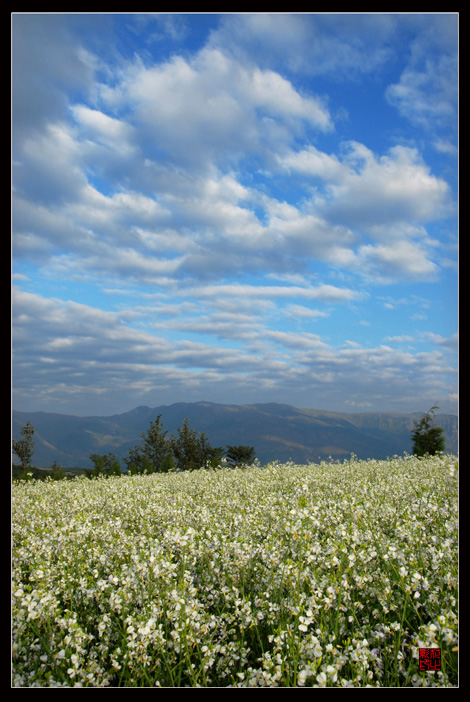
287 575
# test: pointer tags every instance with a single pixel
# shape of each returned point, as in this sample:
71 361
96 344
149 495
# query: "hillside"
277 431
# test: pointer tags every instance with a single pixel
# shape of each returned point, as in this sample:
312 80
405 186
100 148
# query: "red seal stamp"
429 658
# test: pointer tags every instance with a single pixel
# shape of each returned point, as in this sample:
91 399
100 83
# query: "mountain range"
277 432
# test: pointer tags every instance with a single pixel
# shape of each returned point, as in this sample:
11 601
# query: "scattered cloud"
192 218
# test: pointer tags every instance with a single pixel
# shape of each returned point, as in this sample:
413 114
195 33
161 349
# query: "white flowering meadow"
324 575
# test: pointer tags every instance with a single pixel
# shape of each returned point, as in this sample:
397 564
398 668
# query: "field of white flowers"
282 576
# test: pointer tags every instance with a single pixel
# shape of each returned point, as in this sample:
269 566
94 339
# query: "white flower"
332 672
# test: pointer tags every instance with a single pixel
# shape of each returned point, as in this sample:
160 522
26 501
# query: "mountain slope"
277 431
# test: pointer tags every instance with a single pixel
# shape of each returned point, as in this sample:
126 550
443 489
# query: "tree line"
191 450
158 453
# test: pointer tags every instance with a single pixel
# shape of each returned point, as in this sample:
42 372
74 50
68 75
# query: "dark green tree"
155 455
57 472
240 456
113 466
104 464
99 464
427 438
187 450
190 448
24 447
156 446
216 455
168 464
138 463
208 455
133 461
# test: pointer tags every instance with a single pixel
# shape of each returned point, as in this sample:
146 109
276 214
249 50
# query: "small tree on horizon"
57 471
187 450
155 455
191 449
104 465
24 448
216 456
240 456
427 438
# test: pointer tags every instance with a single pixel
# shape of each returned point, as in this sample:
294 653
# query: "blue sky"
235 208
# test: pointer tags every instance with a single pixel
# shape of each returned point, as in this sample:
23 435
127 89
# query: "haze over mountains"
277 431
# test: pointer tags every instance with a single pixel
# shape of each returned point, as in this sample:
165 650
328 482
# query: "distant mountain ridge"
277 431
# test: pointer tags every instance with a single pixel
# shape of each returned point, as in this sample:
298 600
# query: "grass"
283 576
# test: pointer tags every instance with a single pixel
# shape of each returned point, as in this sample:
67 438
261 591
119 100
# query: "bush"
428 440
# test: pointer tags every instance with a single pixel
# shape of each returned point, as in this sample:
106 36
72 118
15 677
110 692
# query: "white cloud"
426 93
211 107
450 344
102 127
399 259
334 45
311 161
366 190
324 292
205 112
88 352
297 312
202 190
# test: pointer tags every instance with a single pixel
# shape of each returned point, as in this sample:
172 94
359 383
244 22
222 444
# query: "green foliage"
168 464
24 447
156 447
428 439
104 465
138 464
19 473
190 449
155 455
57 472
216 457
159 453
240 456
